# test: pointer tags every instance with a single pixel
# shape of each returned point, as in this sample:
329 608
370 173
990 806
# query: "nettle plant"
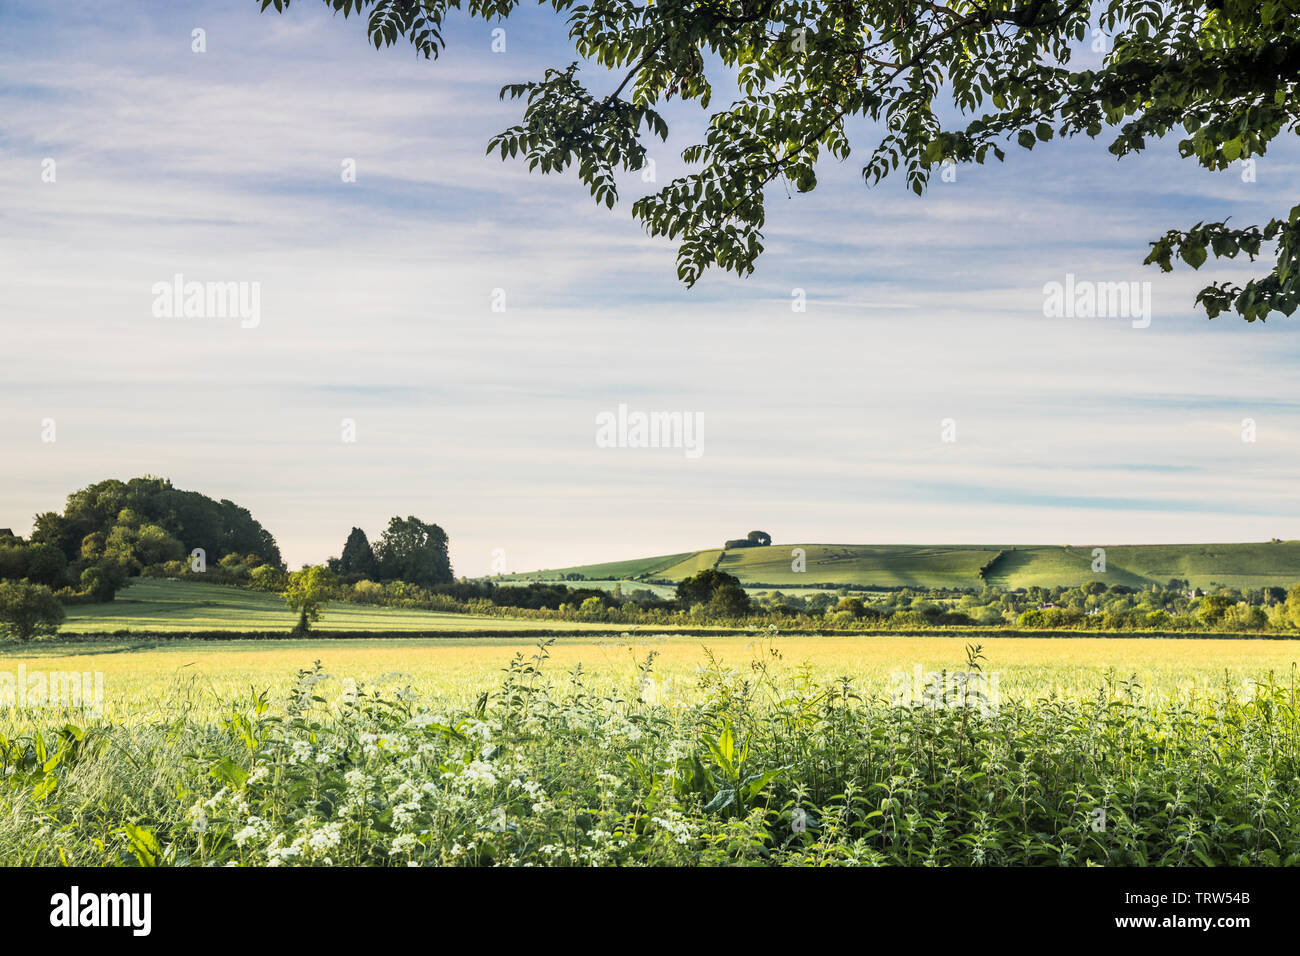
1221 74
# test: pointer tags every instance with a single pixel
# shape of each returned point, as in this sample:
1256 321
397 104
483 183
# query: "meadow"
659 750
158 605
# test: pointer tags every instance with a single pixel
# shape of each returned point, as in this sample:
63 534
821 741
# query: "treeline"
1175 606
715 598
711 596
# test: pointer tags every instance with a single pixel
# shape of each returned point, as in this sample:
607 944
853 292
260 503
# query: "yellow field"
140 680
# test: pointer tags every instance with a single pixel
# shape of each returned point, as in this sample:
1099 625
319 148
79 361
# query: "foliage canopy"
937 82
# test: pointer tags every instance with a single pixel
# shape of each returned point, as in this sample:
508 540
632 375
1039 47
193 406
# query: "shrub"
28 610
368 592
265 577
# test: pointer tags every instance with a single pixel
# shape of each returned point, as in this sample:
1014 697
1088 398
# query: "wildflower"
404 814
253 831
404 843
479 774
326 838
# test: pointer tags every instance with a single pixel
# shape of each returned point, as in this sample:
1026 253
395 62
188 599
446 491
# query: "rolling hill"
1009 566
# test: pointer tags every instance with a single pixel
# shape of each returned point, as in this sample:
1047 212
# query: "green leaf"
45 787
229 772
1193 254
722 800
144 845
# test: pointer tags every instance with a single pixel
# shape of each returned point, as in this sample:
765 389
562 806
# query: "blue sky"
820 426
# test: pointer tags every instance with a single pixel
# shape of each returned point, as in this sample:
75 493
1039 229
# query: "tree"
1292 606
104 579
703 588
729 600
28 610
415 552
1212 608
852 605
1222 71
760 538
307 593
47 565
358 557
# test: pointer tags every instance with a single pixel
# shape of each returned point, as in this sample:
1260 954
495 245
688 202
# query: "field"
139 678
437 742
1008 566
151 604
664 750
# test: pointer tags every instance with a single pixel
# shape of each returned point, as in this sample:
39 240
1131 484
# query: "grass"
615 570
152 604
780 751
925 566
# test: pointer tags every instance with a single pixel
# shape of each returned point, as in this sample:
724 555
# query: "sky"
923 320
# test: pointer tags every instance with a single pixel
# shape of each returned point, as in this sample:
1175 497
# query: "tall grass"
761 766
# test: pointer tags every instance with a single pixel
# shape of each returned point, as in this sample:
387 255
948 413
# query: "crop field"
661 750
1009 566
151 604
140 677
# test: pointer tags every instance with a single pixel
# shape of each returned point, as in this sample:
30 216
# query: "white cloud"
820 425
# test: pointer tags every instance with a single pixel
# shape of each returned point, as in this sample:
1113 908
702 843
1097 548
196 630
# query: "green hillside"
1008 566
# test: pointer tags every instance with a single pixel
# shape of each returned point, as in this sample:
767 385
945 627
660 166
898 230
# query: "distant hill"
1005 565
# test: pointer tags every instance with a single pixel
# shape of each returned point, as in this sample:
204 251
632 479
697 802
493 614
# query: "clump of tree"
755 539
113 530
714 592
409 550
28 611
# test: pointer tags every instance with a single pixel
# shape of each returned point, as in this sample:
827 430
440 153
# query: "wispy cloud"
377 307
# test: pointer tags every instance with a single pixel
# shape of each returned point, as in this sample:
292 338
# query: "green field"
948 566
152 604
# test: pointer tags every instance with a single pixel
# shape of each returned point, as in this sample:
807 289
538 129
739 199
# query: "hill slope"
1008 566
